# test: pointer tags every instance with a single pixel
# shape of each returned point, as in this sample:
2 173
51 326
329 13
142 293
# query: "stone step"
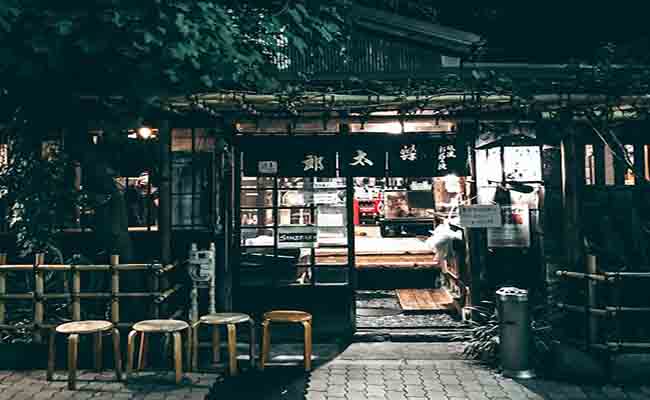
411 335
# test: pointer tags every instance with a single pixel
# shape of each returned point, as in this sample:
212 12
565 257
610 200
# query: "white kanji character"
408 153
314 162
446 152
362 159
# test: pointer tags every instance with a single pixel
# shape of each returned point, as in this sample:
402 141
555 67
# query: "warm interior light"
144 132
452 183
392 127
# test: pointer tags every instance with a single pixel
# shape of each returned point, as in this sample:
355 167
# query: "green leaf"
207 81
296 17
64 27
148 37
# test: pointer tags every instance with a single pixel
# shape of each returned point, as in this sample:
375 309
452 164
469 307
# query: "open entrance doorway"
402 280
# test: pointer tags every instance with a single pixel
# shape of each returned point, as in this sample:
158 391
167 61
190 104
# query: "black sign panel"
308 161
416 157
450 160
362 158
259 164
413 159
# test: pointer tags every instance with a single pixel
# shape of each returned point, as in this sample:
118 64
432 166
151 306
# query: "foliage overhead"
137 48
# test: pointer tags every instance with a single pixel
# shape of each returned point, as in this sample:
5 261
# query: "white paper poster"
515 231
480 216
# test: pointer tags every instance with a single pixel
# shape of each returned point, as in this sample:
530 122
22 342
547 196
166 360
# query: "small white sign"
480 216
326 198
267 167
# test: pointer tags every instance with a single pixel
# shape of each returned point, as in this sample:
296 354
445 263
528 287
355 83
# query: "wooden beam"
572 154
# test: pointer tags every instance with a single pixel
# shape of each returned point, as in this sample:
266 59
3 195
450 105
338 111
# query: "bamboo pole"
592 301
622 275
115 289
39 291
600 312
580 275
76 288
3 288
159 268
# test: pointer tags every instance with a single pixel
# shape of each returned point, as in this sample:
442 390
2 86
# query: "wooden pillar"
475 239
599 164
3 288
572 153
353 278
227 269
165 204
639 164
164 220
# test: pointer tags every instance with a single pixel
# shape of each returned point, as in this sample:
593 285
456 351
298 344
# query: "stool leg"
252 343
117 354
73 347
188 349
178 356
130 352
232 349
266 343
195 347
97 348
51 359
142 355
216 344
308 345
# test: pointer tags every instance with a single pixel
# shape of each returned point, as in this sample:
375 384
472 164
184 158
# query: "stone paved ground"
363 371
31 385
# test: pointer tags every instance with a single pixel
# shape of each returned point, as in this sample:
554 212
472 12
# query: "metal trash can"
514 332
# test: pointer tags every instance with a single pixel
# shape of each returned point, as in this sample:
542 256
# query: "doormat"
377 312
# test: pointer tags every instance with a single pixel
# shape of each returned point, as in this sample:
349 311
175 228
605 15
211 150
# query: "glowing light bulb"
144 132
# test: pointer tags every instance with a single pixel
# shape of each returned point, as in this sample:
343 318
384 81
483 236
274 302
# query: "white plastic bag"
442 241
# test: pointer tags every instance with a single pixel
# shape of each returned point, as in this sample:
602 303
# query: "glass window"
302 223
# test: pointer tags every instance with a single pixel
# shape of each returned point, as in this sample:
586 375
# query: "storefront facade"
318 213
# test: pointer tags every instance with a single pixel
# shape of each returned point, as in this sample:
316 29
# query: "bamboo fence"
609 309
38 296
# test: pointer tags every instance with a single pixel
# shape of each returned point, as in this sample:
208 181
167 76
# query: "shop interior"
294 232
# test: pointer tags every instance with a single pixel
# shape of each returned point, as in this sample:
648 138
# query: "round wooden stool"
286 317
230 320
164 326
73 330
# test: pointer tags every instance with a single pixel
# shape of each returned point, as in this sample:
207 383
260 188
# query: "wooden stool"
158 326
73 330
230 320
287 317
